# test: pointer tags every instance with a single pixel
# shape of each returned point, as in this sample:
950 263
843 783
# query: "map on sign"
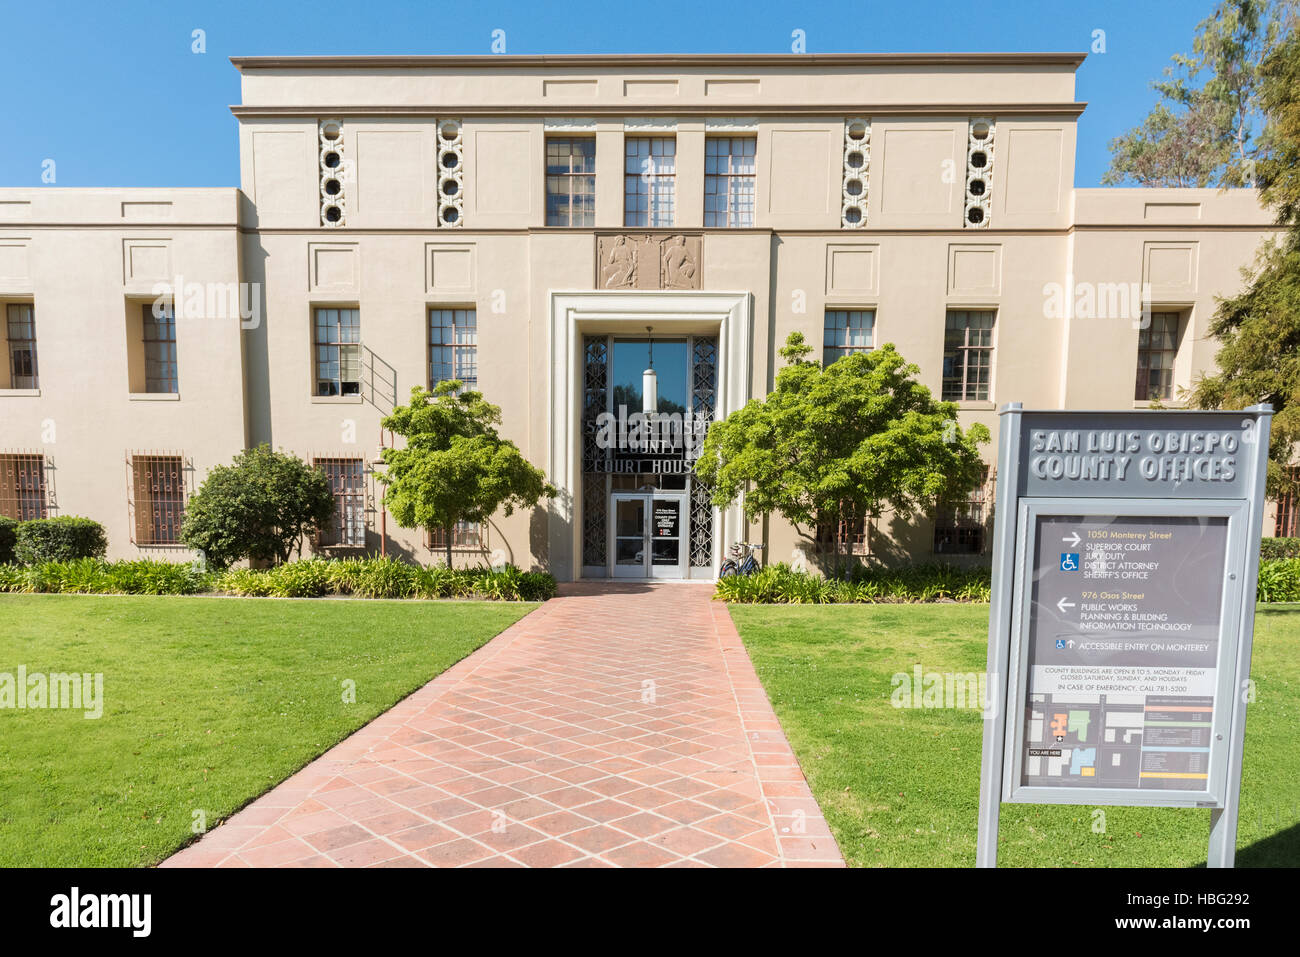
1125 616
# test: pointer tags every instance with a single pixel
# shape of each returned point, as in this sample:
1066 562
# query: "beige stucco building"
519 222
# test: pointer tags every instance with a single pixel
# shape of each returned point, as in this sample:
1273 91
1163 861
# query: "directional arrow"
1070 643
1072 540
1063 604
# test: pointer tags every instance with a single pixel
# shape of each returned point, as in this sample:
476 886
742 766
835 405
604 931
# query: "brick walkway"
617 725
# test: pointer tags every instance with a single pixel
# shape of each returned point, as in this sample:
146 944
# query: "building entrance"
649 538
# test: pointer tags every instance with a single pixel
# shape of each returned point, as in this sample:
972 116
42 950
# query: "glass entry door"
649 535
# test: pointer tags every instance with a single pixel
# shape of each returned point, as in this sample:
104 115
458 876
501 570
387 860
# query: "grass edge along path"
208 703
900 786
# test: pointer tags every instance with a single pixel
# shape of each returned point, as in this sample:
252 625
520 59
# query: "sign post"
1126 552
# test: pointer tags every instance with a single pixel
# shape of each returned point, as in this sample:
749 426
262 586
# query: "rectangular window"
466 535
959 529
453 346
1288 515
1157 350
20 328
850 536
157 499
967 356
22 486
347 477
159 348
847 331
338 351
650 177
729 181
571 181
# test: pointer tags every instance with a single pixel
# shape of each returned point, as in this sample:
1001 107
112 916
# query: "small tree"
258 507
455 466
840 443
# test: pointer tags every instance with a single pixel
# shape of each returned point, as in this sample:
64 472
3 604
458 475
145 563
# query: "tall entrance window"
729 181
570 181
650 176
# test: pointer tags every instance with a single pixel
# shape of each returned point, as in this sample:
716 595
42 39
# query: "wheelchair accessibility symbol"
1069 561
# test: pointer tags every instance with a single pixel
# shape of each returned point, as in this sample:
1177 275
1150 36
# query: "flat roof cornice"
656 60
622 110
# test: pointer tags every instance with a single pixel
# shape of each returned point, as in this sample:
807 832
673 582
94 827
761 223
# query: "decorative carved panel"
648 261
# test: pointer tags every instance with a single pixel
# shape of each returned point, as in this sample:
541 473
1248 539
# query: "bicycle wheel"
729 567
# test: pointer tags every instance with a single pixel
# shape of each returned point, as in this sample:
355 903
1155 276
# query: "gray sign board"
1125 557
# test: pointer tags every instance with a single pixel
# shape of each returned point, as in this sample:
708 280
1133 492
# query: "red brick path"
618 725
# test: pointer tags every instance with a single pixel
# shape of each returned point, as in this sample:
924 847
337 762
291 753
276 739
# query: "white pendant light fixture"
650 383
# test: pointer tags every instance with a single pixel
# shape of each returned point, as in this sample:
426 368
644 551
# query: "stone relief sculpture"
648 261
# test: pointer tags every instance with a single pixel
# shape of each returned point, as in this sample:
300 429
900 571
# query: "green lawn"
901 787
209 702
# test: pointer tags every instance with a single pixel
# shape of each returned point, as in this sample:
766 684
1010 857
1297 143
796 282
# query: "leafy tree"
455 467
1209 126
840 443
1259 329
258 507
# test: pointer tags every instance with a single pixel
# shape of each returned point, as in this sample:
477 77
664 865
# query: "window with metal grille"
469 535
570 181
1157 350
650 177
729 181
845 535
22 486
1288 514
157 498
453 346
338 351
20 329
847 331
159 348
347 477
959 529
967 355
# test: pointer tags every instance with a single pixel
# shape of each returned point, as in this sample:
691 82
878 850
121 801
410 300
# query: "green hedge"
386 578
1279 580
94 576
1274 548
8 537
63 538
309 578
780 584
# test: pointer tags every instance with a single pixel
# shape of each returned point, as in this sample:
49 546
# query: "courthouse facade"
546 229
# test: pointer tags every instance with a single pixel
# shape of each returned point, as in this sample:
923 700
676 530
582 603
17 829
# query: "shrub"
1274 548
93 576
59 539
780 584
8 537
246 582
536 586
385 577
1279 580
309 578
258 507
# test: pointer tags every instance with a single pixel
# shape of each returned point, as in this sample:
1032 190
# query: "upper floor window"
338 351
22 486
1157 350
650 176
570 181
847 331
453 346
20 332
159 341
729 181
967 355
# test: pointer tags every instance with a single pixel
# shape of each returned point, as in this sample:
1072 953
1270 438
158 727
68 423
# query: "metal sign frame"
1018 509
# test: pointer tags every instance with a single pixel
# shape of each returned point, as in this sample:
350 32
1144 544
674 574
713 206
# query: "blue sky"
113 94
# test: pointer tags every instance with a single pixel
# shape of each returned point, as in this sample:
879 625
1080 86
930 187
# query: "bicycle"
736 565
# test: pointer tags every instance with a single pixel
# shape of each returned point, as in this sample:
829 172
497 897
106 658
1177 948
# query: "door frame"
648 569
